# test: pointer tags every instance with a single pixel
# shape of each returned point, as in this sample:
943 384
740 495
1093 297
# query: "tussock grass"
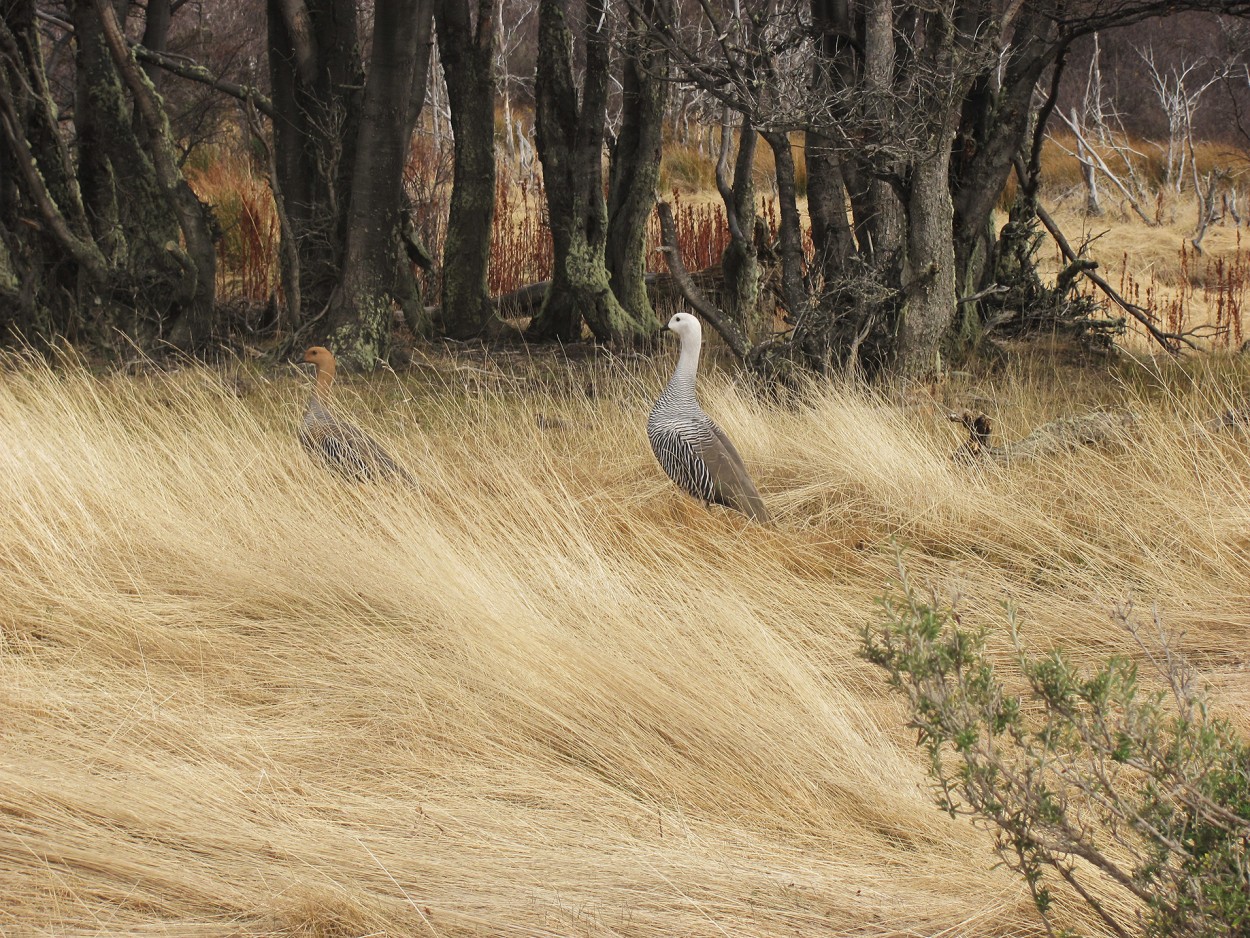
546 695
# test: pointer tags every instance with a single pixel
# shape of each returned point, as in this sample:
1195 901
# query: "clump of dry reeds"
247 253
520 249
546 694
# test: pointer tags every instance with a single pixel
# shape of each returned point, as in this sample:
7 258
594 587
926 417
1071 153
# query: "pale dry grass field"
546 694
1158 268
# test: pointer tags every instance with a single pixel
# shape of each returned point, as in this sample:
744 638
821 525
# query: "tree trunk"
318 80
790 234
467 52
359 322
879 216
994 126
929 272
156 21
832 237
740 261
634 173
50 264
152 229
570 146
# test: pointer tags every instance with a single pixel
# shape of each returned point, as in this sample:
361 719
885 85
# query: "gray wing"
350 451
705 465
731 484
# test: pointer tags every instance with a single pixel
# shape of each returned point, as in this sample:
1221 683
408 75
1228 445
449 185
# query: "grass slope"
547 695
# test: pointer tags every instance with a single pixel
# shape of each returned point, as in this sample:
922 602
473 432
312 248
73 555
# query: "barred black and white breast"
345 448
678 434
694 452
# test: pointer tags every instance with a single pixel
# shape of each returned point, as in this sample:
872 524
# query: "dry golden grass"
1158 268
546 695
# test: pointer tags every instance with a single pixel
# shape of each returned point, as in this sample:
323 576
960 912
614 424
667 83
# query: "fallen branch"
994 289
1097 429
522 302
1170 341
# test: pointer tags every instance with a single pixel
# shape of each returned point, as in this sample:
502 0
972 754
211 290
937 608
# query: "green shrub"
1085 770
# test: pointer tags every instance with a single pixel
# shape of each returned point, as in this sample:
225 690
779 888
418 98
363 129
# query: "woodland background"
142 167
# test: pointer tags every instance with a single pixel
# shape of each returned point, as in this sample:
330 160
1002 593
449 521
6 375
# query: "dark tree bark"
49 260
634 172
318 84
359 322
340 149
855 76
929 269
740 260
994 127
570 145
156 23
467 50
790 232
113 243
832 238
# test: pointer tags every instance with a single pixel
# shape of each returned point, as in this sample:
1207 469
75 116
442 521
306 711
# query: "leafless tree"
1179 89
913 114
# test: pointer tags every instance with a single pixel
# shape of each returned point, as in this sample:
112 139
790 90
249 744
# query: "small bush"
1084 771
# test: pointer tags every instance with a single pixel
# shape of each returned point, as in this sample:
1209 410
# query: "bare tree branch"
1170 341
183 67
724 327
192 71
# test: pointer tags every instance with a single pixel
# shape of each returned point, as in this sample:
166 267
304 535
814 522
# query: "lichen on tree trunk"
359 320
634 172
570 144
153 233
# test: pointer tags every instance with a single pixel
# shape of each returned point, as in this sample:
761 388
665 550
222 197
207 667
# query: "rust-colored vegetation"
1156 267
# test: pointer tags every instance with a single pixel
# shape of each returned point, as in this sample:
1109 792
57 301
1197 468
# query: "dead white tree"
1093 116
1086 151
1101 145
515 17
1179 91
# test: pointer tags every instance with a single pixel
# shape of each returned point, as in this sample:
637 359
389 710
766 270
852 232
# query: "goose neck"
688 360
325 377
